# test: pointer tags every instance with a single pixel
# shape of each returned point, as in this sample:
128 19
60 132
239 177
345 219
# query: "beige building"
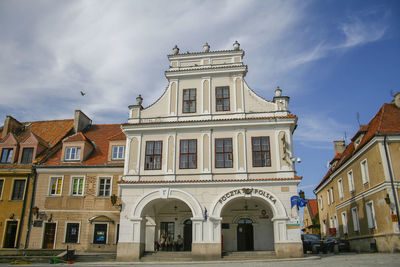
74 188
209 161
358 199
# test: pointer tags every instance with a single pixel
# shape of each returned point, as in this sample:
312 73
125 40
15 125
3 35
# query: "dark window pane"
261 152
6 155
18 190
72 233
1 187
100 234
27 155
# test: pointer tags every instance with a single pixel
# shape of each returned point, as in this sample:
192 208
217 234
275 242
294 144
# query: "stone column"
285 245
131 244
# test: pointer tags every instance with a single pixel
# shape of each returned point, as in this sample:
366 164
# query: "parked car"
343 245
313 243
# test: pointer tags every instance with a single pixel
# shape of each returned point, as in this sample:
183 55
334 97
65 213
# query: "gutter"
391 179
29 226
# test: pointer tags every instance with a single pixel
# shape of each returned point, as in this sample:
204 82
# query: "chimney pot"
339 146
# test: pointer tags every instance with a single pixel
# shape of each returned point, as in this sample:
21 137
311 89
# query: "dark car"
313 243
343 245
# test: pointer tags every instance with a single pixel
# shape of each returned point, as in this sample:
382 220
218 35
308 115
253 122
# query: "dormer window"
72 153
27 155
6 155
118 152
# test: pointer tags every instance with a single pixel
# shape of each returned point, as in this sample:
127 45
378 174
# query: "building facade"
74 188
358 197
22 146
210 161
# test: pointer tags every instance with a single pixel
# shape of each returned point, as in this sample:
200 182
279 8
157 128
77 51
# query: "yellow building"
311 217
358 198
22 145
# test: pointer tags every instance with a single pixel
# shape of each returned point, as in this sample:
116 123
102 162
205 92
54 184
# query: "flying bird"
82 93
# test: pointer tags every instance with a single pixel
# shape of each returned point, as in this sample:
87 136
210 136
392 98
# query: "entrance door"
11 233
187 235
49 235
245 240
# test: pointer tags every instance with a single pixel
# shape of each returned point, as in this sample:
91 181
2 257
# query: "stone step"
248 255
167 256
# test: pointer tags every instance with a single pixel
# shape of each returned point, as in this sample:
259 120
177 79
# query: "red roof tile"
386 121
76 137
117 137
98 134
312 207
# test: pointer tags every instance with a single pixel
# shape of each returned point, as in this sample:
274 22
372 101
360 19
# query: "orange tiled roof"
208 181
75 137
386 121
312 205
98 135
118 136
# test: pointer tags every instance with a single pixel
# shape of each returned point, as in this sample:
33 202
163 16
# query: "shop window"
100 233
222 98
189 100
118 152
6 155
104 187
223 153
72 233
72 153
188 154
55 186
261 151
27 155
18 190
77 186
153 155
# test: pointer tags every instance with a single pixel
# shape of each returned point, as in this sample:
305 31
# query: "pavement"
343 259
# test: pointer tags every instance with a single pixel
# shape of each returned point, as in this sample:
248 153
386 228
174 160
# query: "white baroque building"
210 161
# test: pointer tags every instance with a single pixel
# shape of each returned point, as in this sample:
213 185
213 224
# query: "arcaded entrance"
246 225
168 225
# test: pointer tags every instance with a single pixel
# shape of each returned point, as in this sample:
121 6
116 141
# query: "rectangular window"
189 100
6 155
72 233
100 233
118 152
344 223
188 154
364 171
328 197
18 190
153 155
356 223
321 203
324 227
55 186
261 151
222 98
27 155
77 186
72 153
1 188
350 180
340 188
370 215
335 221
104 187
332 198
223 153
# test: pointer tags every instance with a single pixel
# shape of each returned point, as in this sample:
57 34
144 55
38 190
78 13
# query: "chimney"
340 146
81 121
10 125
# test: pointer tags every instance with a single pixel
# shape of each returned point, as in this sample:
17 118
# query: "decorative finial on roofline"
176 50
206 47
236 45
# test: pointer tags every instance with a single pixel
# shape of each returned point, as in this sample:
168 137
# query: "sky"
334 58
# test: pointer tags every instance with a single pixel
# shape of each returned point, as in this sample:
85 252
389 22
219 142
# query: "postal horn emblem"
247 191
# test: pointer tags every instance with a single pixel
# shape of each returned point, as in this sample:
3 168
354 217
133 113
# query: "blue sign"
297 201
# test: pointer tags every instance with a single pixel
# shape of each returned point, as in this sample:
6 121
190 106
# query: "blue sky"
333 58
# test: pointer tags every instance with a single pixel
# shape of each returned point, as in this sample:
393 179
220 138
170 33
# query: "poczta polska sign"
246 191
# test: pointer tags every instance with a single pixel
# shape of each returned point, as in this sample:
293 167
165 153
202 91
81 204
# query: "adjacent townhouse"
22 145
75 186
311 218
358 198
209 161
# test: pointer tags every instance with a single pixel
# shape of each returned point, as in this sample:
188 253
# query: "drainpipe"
21 223
391 179
28 232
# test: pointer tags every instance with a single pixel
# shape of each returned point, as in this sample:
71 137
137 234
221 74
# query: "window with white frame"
118 152
328 197
321 203
351 181
331 224
364 171
335 221
55 186
100 233
344 223
324 227
340 188
369 206
77 186
72 233
332 198
104 187
72 153
356 222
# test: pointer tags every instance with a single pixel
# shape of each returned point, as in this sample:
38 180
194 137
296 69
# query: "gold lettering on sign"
246 191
